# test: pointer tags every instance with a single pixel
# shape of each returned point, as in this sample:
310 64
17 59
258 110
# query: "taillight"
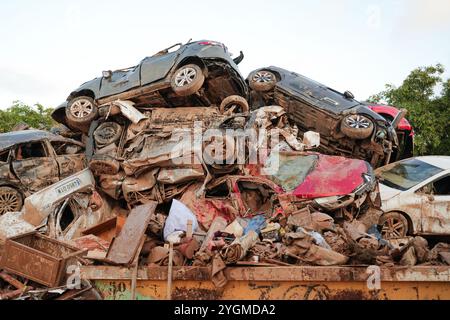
211 43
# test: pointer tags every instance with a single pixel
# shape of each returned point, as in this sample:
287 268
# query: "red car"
405 132
329 183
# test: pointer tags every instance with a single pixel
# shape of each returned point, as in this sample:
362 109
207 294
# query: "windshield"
292 169
407 174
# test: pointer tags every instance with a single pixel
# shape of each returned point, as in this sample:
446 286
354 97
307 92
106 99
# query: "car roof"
315 92
442 162
10 139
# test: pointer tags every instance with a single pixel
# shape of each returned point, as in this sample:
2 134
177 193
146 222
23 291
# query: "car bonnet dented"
318 176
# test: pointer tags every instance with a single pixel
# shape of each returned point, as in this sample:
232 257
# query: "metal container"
39 258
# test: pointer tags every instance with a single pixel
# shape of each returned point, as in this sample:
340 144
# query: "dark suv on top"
347 127
198 73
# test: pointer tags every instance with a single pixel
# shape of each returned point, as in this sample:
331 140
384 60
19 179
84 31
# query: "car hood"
334 176
387 193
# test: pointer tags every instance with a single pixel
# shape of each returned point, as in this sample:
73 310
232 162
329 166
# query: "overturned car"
192 74
347 127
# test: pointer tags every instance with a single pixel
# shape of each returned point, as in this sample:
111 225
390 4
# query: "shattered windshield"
407 174
292 170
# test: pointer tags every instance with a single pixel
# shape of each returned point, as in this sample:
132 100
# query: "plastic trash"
178 218
255 224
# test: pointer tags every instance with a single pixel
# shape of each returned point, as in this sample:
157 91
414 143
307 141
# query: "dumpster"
275 283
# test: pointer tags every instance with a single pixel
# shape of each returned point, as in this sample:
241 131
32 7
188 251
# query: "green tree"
429 113
36 117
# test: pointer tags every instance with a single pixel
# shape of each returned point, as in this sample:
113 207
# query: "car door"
120 81
158 66
4 165
436 206
70 157
35 166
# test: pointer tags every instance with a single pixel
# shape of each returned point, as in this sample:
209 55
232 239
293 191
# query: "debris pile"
195 177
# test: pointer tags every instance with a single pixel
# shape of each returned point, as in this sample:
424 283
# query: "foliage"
36 117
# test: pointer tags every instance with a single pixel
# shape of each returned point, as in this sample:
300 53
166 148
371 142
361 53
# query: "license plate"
69 186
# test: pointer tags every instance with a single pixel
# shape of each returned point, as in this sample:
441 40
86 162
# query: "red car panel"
392 112
333 176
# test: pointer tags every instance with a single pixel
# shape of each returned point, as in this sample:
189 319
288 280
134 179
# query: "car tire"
104 165
11 200
187 80
108 133
234 104
81 111
394 225
263 81
357 126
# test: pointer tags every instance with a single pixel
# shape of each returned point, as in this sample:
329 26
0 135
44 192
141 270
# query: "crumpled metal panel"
123 248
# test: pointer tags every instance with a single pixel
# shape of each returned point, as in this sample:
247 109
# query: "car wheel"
11 200
394 224
234 104
263 81
81 111
187 80
104 165
357 126
107 133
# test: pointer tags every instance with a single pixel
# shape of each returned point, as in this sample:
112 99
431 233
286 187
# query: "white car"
415 196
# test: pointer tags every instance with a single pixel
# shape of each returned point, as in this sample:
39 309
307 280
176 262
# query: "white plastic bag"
179 216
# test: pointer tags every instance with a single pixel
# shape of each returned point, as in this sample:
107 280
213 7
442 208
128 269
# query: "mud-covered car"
415 197
31 160
194 74
346 126
336 185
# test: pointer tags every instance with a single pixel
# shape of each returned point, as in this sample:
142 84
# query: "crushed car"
192 74
346 126
415 196
344 188
30 160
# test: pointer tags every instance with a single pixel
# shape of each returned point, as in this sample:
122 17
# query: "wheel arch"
193 60
84 92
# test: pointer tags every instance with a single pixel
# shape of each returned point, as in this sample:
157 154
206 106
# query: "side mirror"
107 74
349 95
239 59
399 118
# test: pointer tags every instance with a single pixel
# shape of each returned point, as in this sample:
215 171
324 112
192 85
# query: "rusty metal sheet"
107 230
123 248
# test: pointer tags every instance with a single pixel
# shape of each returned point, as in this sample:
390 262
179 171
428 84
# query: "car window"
66 148
440 187
4 156
407 174
292 169
30 150
219 191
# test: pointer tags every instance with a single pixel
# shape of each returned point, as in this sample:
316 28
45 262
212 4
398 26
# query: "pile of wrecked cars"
195 183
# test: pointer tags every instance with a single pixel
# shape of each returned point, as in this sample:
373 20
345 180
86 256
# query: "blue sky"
48 48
